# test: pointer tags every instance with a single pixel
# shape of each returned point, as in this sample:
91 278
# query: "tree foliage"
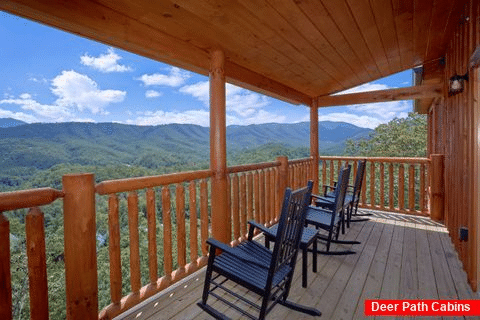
401 137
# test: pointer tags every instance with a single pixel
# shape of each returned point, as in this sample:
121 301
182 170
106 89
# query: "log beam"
408 93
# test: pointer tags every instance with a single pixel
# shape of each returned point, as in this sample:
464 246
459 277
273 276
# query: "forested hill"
27 148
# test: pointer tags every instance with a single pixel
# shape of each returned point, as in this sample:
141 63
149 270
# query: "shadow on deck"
400 257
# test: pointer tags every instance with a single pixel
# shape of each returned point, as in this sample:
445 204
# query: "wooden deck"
400 257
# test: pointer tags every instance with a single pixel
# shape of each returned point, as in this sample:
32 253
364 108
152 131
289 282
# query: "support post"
80 246
314 142
437 167
282 181
221 226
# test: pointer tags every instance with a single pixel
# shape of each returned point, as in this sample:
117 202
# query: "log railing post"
282 181
314 143
221 228
438 186
80 246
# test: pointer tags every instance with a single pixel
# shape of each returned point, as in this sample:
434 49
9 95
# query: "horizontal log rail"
28 198
133 184
390 184
253 167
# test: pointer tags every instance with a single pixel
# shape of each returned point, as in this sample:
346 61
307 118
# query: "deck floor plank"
373 283
400 257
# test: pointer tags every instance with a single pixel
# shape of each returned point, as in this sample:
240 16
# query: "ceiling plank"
323 21
345 21
365 19
422 17
243 26
383 12
351 72
403 17
408 93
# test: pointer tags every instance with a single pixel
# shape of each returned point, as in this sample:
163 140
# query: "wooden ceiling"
291 49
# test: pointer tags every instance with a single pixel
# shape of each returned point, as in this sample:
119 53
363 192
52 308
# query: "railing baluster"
332 169
5 275
167 233
114 250
268 198
382 186
135 282
243 207
192 192
262 196
411 187
277 201
181 235
229 206
372 184
204 219
273 185
256 184
37 264
235 210
422 188
364 188
152 237
249 196
401 187
324 174
391 203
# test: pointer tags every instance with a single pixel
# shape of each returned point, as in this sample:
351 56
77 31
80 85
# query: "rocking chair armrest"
323 198
253 224
326 187
233 251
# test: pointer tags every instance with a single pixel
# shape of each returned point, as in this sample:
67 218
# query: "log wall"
454 126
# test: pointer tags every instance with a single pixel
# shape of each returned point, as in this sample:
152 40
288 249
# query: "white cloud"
152 94
175 78
365 87
241 103
77 90
53 113
149 118
17 115
105 62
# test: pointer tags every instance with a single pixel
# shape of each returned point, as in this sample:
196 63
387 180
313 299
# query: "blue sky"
48 75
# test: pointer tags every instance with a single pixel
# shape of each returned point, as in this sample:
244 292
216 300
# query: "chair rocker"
253 266
331 220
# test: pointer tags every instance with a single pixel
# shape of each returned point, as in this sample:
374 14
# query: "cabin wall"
454 132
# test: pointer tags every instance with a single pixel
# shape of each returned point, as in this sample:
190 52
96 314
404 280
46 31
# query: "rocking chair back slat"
289 232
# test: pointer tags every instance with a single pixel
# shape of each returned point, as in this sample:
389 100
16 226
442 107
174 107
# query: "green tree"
401 137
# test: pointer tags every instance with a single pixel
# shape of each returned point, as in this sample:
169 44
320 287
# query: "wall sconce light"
457 84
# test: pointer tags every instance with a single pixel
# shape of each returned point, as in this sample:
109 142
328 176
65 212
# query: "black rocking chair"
253 266
352 197
330 220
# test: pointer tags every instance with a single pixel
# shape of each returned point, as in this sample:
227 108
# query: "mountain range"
38 146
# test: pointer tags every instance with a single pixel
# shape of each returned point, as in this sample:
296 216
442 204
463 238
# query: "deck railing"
182 197
390 184
169 220
35 247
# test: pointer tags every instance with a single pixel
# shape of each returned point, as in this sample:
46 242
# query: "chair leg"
304 266
314 262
